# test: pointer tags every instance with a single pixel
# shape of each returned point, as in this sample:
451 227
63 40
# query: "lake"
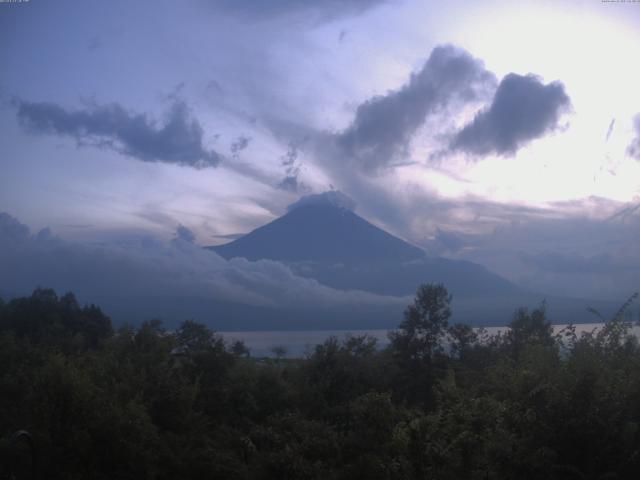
299 342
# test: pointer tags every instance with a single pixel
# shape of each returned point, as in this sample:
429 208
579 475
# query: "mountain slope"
462 278
320 233
342 250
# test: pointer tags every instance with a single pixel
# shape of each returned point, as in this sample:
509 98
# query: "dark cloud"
289 161
179 140
319 10
290 157
634 148
384 125
522 110
289 183
610 129
239 144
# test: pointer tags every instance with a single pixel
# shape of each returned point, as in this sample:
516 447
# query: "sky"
506 133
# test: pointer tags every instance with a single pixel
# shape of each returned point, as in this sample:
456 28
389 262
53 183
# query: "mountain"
322 238
327 241
321 233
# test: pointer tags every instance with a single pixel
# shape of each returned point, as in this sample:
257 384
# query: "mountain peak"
321 228
332 198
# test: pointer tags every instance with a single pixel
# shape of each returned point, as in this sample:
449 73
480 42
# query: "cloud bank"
562 254
522 110
150 269
572 263
178 140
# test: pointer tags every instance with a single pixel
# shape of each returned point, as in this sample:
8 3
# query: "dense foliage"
441 401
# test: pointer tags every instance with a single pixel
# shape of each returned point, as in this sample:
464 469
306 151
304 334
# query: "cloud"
384 125
612 124
184 234
560 252
152 271
238 145
633 149
319 10
448 241
231 236
289 183
332 198
602 263
11 230
289 161
179 140
522 110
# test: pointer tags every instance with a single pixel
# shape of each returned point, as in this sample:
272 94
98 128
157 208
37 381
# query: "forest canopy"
440 401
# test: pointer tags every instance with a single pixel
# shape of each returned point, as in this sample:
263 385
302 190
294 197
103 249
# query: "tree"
279 351
239 349
419 338
529 328
194 337
425 323
45 318
461 337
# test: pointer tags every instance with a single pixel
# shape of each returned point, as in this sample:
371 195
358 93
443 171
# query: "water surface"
297 343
